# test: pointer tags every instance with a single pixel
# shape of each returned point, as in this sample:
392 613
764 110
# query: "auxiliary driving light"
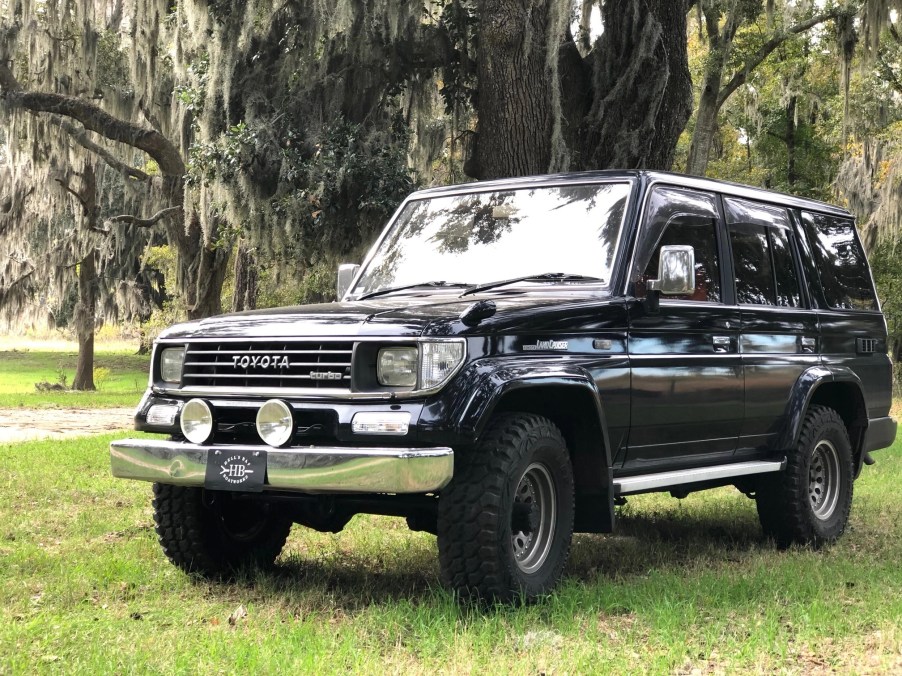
381 422
275 422
197 421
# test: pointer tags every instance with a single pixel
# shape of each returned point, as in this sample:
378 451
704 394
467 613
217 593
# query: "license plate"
235 470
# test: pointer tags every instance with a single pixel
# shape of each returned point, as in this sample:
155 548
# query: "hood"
428 314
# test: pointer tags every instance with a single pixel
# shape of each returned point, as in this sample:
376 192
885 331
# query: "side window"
762 254
751 259
840 261
789 293
681 217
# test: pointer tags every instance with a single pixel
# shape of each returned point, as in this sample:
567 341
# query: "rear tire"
212 534
505 522
809 502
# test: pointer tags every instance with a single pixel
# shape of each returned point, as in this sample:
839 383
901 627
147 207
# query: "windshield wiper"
391 289
547 276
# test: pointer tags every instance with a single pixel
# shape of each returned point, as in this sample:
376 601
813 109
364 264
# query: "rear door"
779 331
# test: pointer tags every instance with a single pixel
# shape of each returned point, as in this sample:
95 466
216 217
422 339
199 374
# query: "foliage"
303 124
343 192
101 376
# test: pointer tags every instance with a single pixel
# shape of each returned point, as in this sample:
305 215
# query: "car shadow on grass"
666 540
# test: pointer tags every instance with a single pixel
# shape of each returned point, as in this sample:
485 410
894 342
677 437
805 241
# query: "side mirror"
676 268
346 274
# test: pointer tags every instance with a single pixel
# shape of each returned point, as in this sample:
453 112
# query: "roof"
647 177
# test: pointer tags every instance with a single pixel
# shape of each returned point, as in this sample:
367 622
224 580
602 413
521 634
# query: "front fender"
492 379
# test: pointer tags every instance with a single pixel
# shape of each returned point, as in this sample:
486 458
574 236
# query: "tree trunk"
516 116
642 88
791 176
245 295
201 268
85 312
719 45
705 126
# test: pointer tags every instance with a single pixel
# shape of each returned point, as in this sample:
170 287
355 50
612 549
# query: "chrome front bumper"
310 470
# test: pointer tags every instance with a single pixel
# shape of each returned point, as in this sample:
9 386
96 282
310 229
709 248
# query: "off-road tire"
819 475
518 453
211 534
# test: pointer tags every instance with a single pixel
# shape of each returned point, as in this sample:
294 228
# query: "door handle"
808 344
721 343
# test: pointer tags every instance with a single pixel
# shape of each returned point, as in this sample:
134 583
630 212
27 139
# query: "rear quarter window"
840 261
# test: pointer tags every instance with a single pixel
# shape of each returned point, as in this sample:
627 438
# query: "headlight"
171 361
397 367
197 421
275 422
439 361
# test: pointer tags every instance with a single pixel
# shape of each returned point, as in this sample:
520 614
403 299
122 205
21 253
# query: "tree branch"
739 78
144 222
68 189
80 136
95 119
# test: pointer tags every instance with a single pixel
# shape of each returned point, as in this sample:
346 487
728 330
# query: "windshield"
486 236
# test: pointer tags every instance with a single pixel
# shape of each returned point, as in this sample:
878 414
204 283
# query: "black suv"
512 359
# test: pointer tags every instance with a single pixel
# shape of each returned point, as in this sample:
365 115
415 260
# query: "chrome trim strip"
261 376
308 392
310 470
281 339
265 352
652 482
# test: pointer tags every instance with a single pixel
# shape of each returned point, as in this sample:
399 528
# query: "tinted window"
762 255
840 261
788 290
680 217
751 258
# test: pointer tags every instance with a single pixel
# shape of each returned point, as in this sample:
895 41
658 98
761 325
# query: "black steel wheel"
809 503
212 534
505 521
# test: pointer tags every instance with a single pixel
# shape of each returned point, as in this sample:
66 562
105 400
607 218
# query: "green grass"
684 585
21 370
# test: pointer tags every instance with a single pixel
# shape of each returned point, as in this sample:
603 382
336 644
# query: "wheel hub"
533 517
824 480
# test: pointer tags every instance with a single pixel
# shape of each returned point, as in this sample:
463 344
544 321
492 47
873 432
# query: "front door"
687 382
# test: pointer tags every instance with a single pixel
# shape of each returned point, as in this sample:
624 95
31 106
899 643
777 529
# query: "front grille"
309 364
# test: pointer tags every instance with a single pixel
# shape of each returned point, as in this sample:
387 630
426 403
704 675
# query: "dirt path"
52 423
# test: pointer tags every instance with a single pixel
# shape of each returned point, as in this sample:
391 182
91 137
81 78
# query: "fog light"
197 421
381 422
275 422
162 414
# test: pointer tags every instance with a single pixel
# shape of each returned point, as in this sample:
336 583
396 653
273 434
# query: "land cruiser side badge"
547 345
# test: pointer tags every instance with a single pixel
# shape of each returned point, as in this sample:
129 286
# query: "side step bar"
646 483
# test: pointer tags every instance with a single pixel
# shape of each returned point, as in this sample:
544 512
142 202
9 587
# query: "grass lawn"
684 585
125 380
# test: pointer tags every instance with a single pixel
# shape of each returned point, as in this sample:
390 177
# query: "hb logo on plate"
236 470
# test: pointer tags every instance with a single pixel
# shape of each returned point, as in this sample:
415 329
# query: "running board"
652 482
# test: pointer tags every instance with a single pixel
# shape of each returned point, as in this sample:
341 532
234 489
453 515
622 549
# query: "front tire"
809 503
505 522
212 534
